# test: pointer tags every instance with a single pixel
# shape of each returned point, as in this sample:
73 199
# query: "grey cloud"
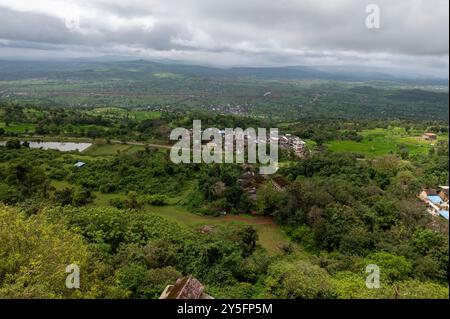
408 27
262 32
32 27
31 45
41 28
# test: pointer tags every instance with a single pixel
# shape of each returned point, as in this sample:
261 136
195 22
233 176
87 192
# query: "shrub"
157 200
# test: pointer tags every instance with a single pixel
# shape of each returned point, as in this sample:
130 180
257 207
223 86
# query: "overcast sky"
413 34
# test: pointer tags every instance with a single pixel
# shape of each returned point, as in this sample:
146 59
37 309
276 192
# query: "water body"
59 146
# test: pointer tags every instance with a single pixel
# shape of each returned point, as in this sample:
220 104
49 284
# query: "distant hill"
296 91
137 69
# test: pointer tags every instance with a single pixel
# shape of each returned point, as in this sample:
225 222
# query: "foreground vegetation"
123 253
135 222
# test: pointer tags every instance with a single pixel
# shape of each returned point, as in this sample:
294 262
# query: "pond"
59 146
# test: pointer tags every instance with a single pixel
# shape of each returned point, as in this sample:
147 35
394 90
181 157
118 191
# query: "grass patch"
112 149
378 142
18 128
102 200
59 185
271 237
167 75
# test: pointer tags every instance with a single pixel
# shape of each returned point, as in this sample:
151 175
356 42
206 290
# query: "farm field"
378 142
111 149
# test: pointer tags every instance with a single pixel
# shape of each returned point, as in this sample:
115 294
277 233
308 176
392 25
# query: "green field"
18 128
59 185
167 75
271 237
378 142
111 149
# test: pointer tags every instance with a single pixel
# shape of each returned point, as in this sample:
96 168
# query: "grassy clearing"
112 149
18 128
379 142
59 185
168 75
310 143
145 115
102 200
270 236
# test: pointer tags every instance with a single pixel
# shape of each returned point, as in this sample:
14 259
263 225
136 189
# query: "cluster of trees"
352 208
146 177
120 253
26 176
34 254
12 113
74 122
132 254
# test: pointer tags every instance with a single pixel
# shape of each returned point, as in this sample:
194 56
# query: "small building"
185 288
79 164
428 192
436 204
444 213
435 199
443 193
295 143
429 136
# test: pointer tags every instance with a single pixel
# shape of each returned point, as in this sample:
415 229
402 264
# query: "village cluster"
294 143
285 141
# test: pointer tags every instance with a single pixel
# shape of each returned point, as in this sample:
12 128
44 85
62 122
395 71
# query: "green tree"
34 255
297 279
392 267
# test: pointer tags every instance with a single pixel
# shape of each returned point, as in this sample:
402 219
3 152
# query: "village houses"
436 201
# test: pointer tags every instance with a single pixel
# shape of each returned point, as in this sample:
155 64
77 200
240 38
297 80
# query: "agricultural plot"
378 142
112 149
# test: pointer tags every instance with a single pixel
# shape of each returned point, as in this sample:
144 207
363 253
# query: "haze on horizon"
413 36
